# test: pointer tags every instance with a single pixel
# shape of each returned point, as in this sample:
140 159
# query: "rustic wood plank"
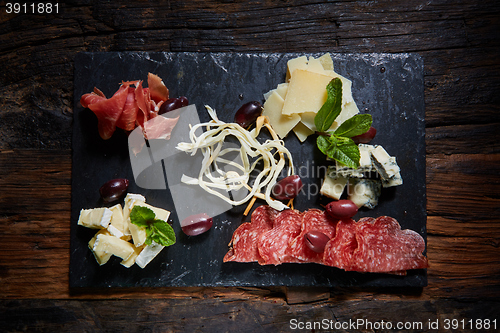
463 186
237 316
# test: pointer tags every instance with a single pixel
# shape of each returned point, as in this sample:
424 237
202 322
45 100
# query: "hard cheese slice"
306 92
282 124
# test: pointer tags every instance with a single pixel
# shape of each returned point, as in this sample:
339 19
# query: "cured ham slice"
273 243
158 90
317 220
129 113
384 247
108 111
243 245
131 106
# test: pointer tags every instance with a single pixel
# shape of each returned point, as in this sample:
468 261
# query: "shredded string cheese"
272 153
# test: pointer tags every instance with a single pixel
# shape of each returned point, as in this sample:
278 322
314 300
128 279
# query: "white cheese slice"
114 231
114 245
281 124
302 131
333 187
117 220
102 257
364 192
131 260
148 254
95 218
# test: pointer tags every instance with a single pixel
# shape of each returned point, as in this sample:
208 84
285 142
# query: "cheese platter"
387 86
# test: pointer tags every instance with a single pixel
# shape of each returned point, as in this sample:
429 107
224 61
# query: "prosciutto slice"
108 111
131 106
158 91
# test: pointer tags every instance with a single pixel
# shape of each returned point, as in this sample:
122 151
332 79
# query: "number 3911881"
31 8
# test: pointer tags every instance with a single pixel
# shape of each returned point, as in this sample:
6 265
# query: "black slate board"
388 86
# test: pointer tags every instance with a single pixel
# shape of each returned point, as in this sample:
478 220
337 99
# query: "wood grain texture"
459 43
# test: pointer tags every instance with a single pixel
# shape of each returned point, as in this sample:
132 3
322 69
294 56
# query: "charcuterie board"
388 86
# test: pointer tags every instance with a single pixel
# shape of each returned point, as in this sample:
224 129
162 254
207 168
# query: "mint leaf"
346 152
339 148
325 145
355 125
160 232
331 108
141 216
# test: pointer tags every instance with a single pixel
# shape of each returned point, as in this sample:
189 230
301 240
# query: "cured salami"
370 245
339 250
317 220
384 247
273 243
243 245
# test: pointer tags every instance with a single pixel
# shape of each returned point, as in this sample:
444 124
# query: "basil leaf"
355 125
161 232
141 216
331 108
346 152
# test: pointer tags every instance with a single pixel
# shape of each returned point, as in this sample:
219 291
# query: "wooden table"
460 45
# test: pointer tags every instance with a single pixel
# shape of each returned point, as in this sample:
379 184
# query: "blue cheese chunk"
95 218
333 187
364 192
385 164
148 254
365 164
393 181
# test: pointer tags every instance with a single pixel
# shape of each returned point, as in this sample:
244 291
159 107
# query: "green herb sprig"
338 144
158 231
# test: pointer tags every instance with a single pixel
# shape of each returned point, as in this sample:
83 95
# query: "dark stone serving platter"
388 86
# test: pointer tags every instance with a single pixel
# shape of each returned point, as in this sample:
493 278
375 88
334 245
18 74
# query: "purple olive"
112 190
342 209
316 240
197 224
170 105
365 137
248 113
287 188
183 101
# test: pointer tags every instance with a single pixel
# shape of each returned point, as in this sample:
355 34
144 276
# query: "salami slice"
317 220
243 245
384 247
339 250
273 243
